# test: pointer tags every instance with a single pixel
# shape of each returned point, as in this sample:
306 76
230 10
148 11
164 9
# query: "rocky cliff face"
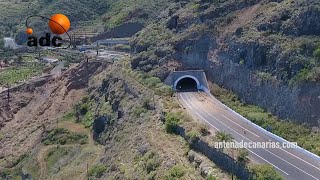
262 50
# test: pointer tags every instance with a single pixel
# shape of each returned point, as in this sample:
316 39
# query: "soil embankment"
39 103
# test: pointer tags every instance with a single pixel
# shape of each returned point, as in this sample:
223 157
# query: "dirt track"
73 127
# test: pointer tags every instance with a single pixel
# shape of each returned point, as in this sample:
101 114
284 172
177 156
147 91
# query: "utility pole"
97 48
87 171
8 95
232 165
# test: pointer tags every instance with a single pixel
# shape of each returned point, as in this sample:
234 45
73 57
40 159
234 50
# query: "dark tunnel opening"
187 84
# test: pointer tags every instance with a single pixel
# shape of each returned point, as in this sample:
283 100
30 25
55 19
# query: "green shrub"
172 122
137 111
152 81
151 161
243 156
264 171
63 136
85 99
196 6
175 173
68 116
204 129
193 136
303 75
121 47
241 61
84 109
210 177
257 117
264 76
165 90
97 170
316 53
88 119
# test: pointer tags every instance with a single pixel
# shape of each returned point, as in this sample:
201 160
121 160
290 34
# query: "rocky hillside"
265 51
38 103
97 115
95 16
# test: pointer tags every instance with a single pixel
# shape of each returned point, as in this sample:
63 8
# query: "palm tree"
243 156
223 136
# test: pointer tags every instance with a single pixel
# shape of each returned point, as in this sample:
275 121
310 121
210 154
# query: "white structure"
50 60
10 43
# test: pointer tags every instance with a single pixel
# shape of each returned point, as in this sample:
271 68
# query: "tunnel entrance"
187 84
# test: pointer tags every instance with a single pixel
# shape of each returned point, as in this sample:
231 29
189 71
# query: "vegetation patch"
97 170
14 168
172 122
18 74
63 136
59 157
175 173
264 171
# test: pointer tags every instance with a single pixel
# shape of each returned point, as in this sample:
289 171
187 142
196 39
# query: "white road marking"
300 159
291 164
239 125
280 148
237 133
198 113
268 162
249 140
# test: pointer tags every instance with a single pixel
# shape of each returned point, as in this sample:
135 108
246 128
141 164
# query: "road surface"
291 163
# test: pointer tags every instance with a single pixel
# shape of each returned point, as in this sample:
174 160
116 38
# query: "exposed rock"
143 149
125 30
307 23
199 162
99 125
173 22
170 163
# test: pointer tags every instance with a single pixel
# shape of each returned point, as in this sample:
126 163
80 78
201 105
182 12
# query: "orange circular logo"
59 24
29 31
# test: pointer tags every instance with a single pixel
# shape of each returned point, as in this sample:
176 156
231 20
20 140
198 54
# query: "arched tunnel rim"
186 76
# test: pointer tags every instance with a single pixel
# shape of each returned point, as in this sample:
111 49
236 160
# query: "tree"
223 136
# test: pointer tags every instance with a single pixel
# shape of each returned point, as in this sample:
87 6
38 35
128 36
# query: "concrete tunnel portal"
187 83
189 80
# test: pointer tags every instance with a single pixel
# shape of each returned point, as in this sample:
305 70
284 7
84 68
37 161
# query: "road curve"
290 162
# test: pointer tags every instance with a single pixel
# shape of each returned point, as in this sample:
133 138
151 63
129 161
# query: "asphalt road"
292 163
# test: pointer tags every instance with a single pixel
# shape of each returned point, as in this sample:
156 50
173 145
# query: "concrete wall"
198 75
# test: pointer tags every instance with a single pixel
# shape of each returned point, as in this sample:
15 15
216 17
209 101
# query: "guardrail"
308 153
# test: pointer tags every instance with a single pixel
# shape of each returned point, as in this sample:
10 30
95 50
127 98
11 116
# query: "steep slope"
266 52
38 103
97 16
